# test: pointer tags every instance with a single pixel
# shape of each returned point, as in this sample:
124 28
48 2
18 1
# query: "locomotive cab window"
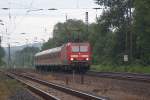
75 48
79 48
83 48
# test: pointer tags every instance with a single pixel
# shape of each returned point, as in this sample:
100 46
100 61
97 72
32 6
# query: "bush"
129 68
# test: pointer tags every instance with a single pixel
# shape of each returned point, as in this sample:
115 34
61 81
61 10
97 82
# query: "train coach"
68 57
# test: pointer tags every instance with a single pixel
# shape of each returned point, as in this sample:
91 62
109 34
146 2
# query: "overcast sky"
22 17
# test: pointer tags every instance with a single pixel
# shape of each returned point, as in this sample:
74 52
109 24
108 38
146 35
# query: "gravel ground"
112 88
54 92
23 94
10 89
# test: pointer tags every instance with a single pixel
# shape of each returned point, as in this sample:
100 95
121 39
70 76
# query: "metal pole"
9 57
66 17
0 40
26 55
96 12
23 59
131 36
87 19
73 76
82 78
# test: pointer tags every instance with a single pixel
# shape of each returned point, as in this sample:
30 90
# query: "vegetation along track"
65 89
33 88
119 75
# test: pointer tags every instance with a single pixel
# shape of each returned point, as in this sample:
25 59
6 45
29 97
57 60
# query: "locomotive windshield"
79 48
75 48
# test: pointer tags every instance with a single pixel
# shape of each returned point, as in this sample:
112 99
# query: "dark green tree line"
2 54
122 29
130 21
115 20
70 31
142 30
25 57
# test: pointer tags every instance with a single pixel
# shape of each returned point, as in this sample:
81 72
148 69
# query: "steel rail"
62 88
34 89
121 76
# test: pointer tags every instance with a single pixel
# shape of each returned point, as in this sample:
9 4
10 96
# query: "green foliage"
142 29
49 44
131 33
2 54
123 28
8 87
70 31
25 57
129 68
111 29
103 45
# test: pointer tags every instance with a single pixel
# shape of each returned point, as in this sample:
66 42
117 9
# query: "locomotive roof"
57 49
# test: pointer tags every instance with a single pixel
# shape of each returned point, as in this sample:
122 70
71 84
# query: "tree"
117 18
25 57
49 44
102 40
123 28
2 54
142 29
70 31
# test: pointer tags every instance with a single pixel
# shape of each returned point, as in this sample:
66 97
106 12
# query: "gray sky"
21 18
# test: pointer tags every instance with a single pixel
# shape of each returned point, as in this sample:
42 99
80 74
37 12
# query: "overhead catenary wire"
10 16
24 15
31 8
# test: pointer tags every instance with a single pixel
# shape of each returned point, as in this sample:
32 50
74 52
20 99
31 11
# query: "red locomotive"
70 56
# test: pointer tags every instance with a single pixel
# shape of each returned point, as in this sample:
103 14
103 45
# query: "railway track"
33 88
121 76
80 94
91 78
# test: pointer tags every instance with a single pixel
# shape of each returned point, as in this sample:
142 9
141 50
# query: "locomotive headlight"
87 59
71 59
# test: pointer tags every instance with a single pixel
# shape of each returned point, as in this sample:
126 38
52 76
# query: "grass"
8 87
129 68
